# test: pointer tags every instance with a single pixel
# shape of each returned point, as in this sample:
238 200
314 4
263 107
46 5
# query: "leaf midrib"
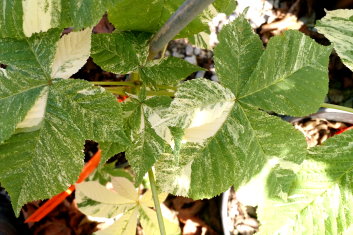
48 76
279 80
23 91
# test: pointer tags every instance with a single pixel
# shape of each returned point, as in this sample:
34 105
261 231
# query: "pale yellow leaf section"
72 52
112 197
125 188
99 193
38 15
147 200
35 115
125 225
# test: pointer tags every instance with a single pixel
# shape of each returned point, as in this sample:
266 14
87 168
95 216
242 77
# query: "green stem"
179 20
160 93
135 76
117 90
156 202
333 106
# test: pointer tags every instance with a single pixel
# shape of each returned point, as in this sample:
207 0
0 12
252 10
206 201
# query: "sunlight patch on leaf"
318 197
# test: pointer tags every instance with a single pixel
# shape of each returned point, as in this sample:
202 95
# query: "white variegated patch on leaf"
206 122
118 206
40 16
72 52
200 107
35 115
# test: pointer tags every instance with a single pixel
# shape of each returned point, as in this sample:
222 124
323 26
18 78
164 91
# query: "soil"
203 216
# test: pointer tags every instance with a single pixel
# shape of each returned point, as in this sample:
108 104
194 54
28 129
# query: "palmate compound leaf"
38 164
290 76
227 140
119 206
22 18
315 198
51 118
126 52
337 27
37 60
224 142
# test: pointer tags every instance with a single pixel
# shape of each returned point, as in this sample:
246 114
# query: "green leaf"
84 14
109 149
292 64
149 16
147 145
126 52
319 199
225 6
24 18
337 27
38 164
144 152
237 54
33 55
11 19
224 143
18 94
121 52
168 71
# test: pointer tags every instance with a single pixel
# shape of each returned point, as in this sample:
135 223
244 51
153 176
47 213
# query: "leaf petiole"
156 202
